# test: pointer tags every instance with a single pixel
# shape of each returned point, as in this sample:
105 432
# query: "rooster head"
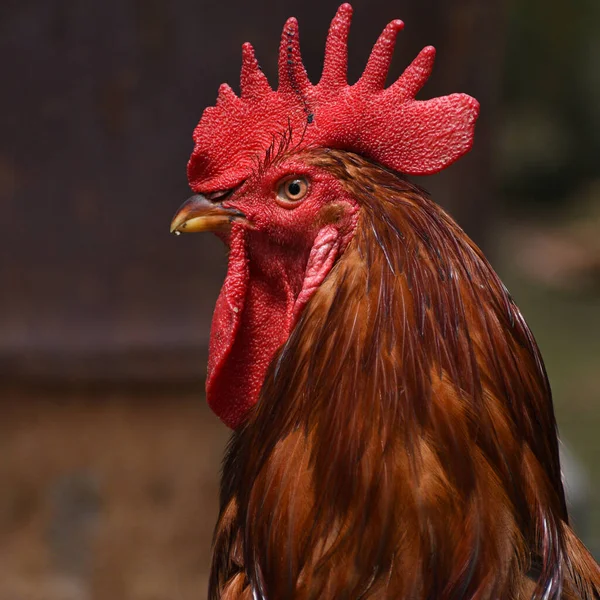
285 220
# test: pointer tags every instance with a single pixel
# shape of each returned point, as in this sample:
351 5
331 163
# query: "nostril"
218 196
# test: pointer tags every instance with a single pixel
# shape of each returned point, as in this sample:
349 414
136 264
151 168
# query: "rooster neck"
405 430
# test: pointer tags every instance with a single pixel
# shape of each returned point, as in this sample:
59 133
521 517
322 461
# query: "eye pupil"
294 188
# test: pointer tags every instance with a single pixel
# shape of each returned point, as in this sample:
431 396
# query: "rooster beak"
200 214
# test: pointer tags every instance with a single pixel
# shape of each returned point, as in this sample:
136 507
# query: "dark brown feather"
405 444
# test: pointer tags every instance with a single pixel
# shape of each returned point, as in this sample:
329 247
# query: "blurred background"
109 458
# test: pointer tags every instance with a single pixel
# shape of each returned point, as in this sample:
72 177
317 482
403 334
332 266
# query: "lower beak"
199 214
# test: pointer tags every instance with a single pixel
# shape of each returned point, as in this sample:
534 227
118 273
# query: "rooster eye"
292 190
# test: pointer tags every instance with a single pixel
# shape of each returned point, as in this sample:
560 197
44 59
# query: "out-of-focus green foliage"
548 169
549 132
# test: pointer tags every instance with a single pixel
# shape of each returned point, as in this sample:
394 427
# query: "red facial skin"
275 264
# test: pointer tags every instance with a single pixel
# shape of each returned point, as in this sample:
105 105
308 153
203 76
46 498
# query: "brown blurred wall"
98 105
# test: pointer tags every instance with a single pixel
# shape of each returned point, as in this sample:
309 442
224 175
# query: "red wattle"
250 323
253 317
227 318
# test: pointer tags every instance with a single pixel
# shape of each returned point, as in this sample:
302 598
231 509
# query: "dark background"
109 458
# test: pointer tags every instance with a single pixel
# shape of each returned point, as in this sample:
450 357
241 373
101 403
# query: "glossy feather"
404 445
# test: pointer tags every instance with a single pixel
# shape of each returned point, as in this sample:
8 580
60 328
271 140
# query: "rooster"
394 434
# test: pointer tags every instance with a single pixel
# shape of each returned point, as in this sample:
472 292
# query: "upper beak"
200 214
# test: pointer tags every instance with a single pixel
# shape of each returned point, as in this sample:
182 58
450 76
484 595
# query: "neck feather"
409 410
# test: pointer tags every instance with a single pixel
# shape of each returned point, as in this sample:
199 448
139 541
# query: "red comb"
384 124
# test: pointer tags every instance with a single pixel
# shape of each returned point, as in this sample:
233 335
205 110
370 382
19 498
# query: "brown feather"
405 443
